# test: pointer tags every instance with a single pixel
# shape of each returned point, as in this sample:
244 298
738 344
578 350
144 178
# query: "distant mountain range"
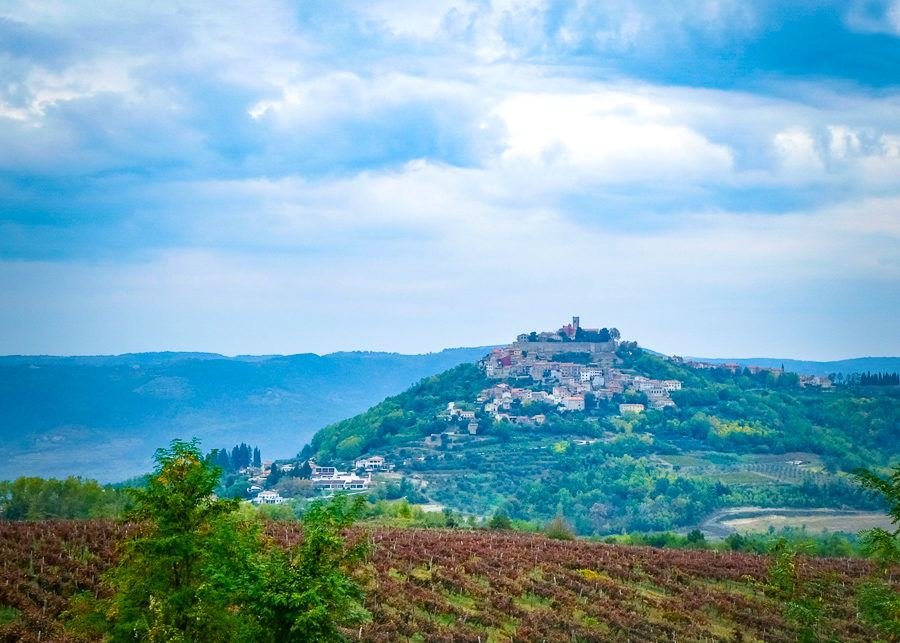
803 367
103 416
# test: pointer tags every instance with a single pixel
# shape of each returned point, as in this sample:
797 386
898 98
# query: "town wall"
553 348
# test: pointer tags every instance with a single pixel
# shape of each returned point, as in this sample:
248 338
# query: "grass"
8 614
684 460
421 573
529 602
461 601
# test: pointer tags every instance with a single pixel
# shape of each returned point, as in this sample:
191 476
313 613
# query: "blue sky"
711 177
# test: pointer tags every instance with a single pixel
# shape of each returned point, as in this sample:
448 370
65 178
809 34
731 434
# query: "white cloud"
797 152
611 136
866 17
560 170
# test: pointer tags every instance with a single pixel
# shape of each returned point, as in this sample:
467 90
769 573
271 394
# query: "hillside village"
537 379
566 370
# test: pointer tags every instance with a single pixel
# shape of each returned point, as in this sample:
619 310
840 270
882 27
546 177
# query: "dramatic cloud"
711 176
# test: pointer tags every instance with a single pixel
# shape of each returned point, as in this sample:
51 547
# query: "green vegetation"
801 599
200 569
410 415
306 593
734 439
878 598
40 499
74 408
559 529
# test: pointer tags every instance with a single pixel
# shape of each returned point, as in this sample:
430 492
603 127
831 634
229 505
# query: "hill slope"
102 416
731 440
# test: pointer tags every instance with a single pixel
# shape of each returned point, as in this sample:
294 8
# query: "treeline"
239 457
875 379
39 499
828 544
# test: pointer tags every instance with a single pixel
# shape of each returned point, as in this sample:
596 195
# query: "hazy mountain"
102 416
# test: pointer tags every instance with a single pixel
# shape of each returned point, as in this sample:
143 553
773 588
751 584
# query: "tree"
199 569
257 457
888 487
500 521
307 594
801 599
304 470
879 602
168 582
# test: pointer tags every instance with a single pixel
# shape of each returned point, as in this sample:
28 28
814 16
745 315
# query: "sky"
712 177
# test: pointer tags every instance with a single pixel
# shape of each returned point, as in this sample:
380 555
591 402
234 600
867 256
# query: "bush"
559 529
500 521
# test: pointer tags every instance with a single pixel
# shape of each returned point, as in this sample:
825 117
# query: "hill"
102 416
806 367
715 438
443 585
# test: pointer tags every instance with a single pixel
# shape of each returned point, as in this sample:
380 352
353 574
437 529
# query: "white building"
267 498
342 482
375 463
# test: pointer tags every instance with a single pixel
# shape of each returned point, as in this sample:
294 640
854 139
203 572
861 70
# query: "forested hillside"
733 439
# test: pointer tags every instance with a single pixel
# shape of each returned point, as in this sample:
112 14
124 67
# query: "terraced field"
457 585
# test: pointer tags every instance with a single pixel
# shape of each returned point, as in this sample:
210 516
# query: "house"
342 482
472 428
374 463
630 408
574 403
267 498
467 415
321 472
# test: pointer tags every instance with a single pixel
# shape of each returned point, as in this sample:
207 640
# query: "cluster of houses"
330 479
457 411
818 381
562 374
324 479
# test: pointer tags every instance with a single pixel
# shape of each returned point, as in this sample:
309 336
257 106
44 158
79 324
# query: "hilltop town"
570 377
565 370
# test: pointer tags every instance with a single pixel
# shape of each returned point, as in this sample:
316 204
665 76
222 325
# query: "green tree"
308 593
801 599
198 568
177 577
879 602
500 520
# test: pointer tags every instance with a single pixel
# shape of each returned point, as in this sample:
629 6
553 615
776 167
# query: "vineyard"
456 585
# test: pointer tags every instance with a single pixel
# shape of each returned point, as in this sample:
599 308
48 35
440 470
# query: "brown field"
457 585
